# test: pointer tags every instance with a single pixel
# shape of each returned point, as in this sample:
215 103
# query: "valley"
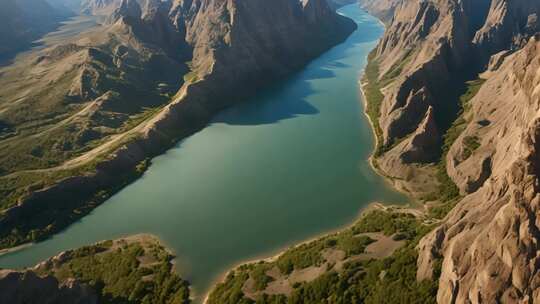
215 183
274 123
94 109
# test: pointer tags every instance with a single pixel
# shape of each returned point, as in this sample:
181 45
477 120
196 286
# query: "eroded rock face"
430 44
382 9
490 242
488 245
232 46
20 287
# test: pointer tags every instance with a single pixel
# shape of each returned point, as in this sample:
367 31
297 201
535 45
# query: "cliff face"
428 51
488 243
384 10
154 72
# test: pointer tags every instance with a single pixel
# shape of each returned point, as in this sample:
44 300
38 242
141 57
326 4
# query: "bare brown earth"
431 49
334 259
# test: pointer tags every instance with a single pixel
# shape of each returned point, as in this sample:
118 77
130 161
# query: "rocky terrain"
458 81
453 93
136 269
80 119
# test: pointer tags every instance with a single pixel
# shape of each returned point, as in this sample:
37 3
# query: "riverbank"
274 154
14 249
93 177
383 237
272 258
136 268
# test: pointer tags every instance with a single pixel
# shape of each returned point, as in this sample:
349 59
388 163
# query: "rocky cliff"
430 49
384 10
473 66
153 72
489 242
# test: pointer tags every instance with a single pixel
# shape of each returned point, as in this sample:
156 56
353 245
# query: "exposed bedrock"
233 48
488 244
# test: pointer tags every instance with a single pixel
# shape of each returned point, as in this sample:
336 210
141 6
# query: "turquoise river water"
285 166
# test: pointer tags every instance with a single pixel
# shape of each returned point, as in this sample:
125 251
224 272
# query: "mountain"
453 94
103 102
384 10
455 83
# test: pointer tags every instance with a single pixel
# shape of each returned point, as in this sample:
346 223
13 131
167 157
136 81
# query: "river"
285 166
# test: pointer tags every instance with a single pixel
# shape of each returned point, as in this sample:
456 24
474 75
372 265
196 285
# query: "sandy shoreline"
272 258
14 249
413 207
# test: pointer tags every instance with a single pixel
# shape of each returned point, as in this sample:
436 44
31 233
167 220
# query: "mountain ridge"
485 246
212 45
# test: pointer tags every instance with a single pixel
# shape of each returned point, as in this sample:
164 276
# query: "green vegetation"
388 280
259 275
448 192
116 272
374 98
470 144
302 256
191 77
309 254
230 291
395 70
53 215
388 223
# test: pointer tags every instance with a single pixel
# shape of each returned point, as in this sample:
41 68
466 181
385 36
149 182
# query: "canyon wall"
186 60
469 71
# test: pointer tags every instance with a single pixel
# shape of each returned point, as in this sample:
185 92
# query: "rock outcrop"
384 10
184 60
488 244
429 50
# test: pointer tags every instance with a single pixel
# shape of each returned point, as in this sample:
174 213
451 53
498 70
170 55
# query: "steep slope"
489 242
428 52
114 105
484 126
384 10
